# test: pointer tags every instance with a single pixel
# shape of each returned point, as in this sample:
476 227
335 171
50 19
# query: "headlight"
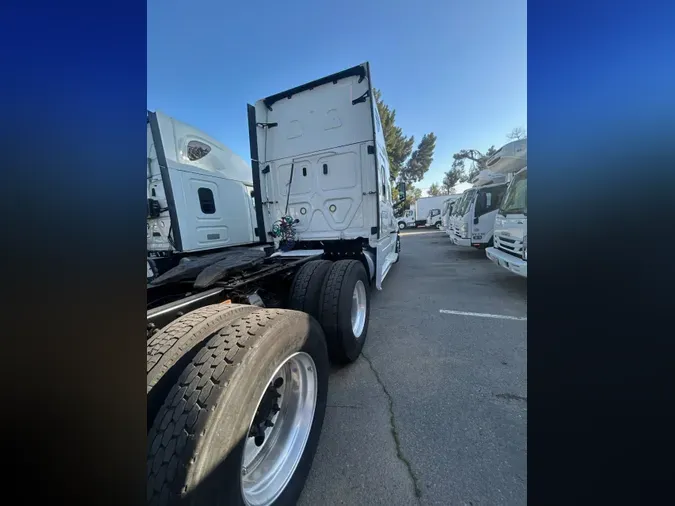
525 248
464 230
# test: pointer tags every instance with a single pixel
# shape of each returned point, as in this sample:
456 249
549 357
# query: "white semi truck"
473 226
240 336
510 227
192 159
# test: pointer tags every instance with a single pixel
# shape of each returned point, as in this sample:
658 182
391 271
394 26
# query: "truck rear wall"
324 135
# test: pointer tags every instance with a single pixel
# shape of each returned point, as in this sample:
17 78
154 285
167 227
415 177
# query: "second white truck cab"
446 211
454 214
473 226
199 194
435 217
406 220
510 228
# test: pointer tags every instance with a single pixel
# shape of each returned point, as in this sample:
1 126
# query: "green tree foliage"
477 159
412 194
460 173
420 160
399 147
453 176
434 190
404 163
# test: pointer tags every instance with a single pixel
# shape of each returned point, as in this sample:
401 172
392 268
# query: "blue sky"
458 69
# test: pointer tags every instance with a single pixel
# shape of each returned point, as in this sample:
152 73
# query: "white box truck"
240 337
420 211
510 227
473 226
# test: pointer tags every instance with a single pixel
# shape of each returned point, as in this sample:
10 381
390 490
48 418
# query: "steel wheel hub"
279 430
359 307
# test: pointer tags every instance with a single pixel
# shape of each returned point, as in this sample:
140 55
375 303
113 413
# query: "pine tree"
399 147
404 164
420 160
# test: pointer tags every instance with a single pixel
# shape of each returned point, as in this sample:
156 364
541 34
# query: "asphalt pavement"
435 411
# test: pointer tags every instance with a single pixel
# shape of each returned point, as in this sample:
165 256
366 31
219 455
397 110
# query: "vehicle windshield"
465 202
515 200
458 204
488 199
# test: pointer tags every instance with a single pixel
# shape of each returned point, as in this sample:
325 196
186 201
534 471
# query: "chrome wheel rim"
359 303
266 469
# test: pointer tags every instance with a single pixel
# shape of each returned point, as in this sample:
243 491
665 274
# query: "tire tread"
181 418
166 348
303 296
329 307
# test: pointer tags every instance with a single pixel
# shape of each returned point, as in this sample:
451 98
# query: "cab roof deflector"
359 70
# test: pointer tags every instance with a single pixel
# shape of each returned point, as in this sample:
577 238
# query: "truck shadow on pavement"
468 253
501 279
512 284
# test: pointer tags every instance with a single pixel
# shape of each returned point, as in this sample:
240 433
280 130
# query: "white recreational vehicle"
510 228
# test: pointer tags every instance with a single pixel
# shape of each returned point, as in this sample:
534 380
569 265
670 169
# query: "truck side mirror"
401 191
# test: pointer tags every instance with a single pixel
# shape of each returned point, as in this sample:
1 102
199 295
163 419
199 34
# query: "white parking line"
484 315
403 233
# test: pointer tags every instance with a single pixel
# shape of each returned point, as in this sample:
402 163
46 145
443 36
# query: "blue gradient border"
73 88
601 116
601 121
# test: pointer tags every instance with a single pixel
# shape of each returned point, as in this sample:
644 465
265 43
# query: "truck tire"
438 225
172 348
401 225
345 310
305 290
266 374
